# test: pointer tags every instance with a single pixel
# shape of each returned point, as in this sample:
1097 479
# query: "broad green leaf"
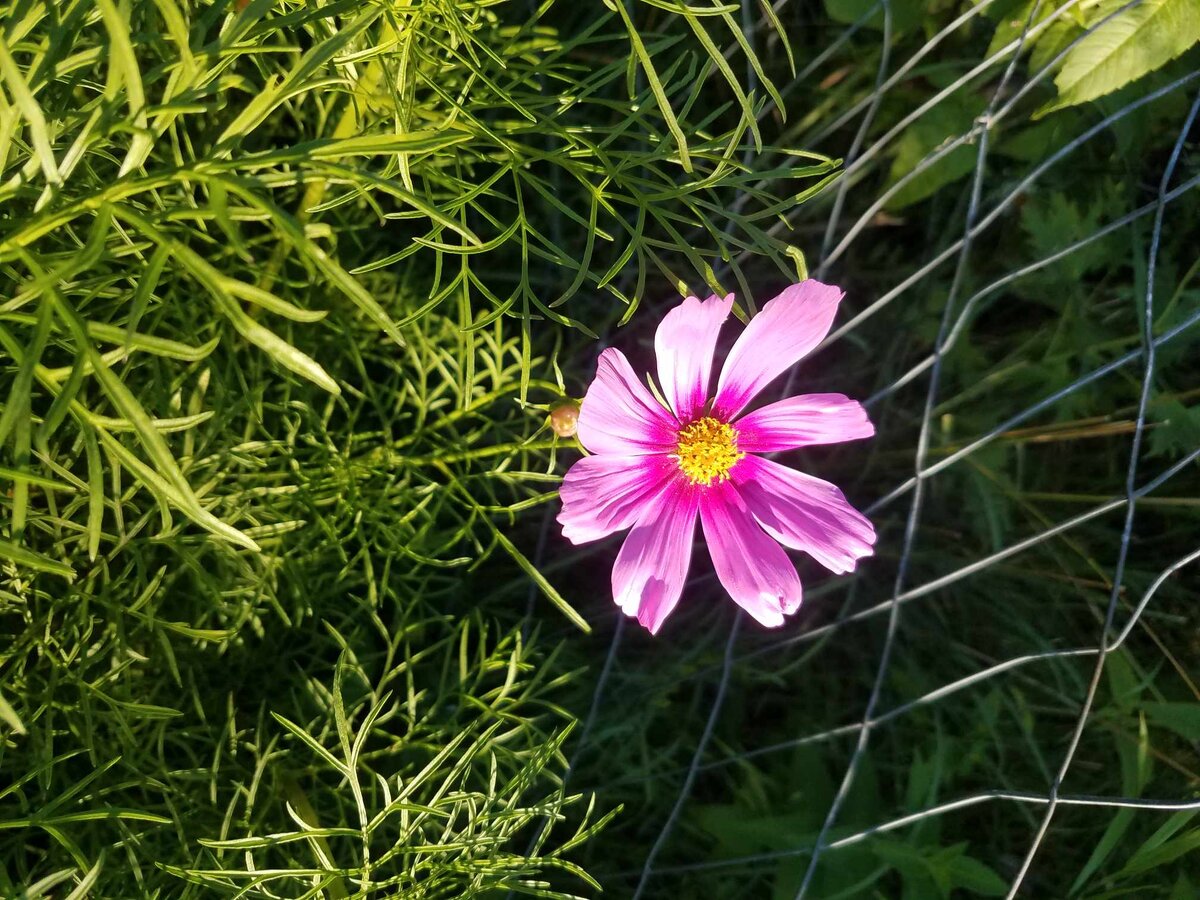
1012 17
945 122
1183 889
976 877
1137 41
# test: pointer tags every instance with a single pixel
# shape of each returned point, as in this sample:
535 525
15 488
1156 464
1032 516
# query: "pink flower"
656 467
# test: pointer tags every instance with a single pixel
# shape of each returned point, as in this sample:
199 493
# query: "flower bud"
564 418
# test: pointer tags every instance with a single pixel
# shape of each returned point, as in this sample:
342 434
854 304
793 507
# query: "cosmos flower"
658 465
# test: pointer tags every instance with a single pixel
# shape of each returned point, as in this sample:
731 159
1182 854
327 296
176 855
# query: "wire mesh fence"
851 217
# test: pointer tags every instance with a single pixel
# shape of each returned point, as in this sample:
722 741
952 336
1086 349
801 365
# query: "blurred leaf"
1109 840
1123 683
913 865
1032 142
906 14
741 832
1176 429
952 117
1135 767
1012 17
1053 221
921 788
1183 889
971 875
1166 852
1181 718
1149 854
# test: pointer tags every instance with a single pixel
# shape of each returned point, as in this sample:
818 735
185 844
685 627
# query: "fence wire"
982 212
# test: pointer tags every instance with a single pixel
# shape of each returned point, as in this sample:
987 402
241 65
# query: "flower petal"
619 415
801 421
753 568
804 513
684 344
786 330
652 566
604 494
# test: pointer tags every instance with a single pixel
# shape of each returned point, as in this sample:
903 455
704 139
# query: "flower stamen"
707 450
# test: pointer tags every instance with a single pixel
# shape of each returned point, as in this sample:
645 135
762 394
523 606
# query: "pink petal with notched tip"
650 570
804 513
802 421
604 494
684 345
619 415
785 331
753 568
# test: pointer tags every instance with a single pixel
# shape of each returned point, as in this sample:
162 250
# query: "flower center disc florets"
707 450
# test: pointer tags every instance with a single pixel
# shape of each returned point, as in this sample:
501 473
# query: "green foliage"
1097 48
927 135
267 184
927 872
286 292
1135 41
1091 56
393 807
905 14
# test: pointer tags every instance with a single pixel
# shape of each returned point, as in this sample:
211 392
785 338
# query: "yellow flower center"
707 450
